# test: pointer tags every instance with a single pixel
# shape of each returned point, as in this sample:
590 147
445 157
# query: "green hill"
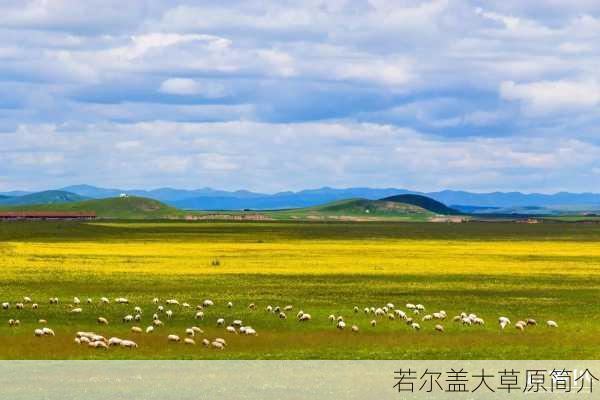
423 202
356 209
46 197
116 207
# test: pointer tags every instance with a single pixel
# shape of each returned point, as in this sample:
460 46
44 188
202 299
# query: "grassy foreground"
545 271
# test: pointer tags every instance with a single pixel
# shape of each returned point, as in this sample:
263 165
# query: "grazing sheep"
551 324
282 315
76 310
102 320
467 321
5 306
217 345
38 332
385 309
230 329
379 312
114 341
19 306
504 320
121 300
439 328
503 325
205 342
415 326
252 306
154 317
76 301
373 323
138 317
190 332
331 317
479 321
237 322
390 306
155 300
531 321
197 330
222 341
189 341
408 321
220 322
34 306
229 304
355 309
89 300
391 317
249 331
172 302
160 309
98 345
269 308
26 299
340 318
199 315
354 328
136 329
185 305
47 331
77 340
208 303
341 325
128 318
366 310
130 344
420 307
410 306
157 322
400 314
427 317
11 322
439 315
137 310
173 338
305 317
288 308
104 300
520 326
150 329
169 314
457 318
42 321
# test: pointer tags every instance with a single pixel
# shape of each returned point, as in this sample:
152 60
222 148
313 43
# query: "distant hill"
423 202
123 208
356 209
47 197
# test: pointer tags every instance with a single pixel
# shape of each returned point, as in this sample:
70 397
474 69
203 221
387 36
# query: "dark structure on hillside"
46 215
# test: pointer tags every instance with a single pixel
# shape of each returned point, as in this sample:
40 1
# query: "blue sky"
268 96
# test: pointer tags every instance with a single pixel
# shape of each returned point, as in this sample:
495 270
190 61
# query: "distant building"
46 215
123 195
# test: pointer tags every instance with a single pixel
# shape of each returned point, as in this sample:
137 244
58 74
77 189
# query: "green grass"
546 271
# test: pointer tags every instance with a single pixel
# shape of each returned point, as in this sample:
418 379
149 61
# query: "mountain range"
212 199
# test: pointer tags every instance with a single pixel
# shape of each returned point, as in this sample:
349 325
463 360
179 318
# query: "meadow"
544 271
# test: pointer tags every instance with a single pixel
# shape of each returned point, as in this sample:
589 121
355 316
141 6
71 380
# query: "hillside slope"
46 197
116 207
427 203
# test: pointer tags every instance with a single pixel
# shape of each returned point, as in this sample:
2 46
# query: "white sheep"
208 303
400 314
354 328
76 310
251 306
114 341
150 329
269 308
220 321
390 306
205 342
26 299
47 331
137 310
410 306
102 321
89 300
237 322
229 304
157 322
34 306
98 345
104 300
169 314
420 307
5 306
282 315
173 338
38 332
190 332
379 312
199 315
531 321
42 321
19 306
439 328
551 324
415 326
427 317
230 329
189 341
217 345
249 331
221 340
136 329
288 308
161 309
122 300
76 301
331 317
373 323
155 300
128 318
172 302
197 330
341 325
130 344
305 317
138 317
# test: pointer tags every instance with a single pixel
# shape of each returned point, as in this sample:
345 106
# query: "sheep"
199 315
173 338
190 332
53 300
97 338
76 310
373 323
155 300
520 326
220 322
38 332
138 317
427 317
77 340
355 309
415 326
252 307
390 306
98 345
237 322
439 328
269 308
504 319
136 329
161 309
408 321
42 321
366 310
230 329
169 314
410 306
249 331
400 314
503 324
217 345
340 318
47 331
379 312
439 315
137 310
150 329
551 324
305 317
229 304
122 300
128 318
457 318
331 317
354 328
385 309
391 317
154 317
341 325
208 303
221 340
130 344
288 308
531 321
189 341
76 301
205 342
420 307
34 306
157 322
114 341
479 321
5 306
172 302
13 322
104 300
83 340
282 315
197 330
467 321
102 321
89 300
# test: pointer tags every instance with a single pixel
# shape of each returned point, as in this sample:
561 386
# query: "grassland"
544 271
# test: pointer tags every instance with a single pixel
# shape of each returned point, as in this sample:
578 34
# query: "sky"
285 95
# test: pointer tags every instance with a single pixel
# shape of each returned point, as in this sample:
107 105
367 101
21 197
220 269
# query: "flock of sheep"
414 316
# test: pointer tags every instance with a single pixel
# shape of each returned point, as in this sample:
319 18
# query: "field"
542 271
